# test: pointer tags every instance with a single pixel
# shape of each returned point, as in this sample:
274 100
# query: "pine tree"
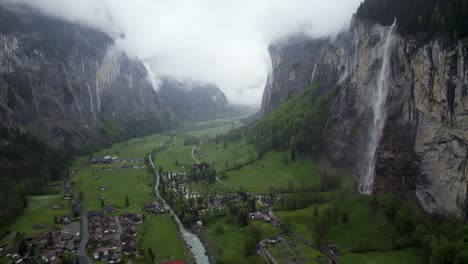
127 201
293 155
22 248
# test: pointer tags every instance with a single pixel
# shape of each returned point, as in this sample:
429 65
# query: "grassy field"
39 211
176 152
277 171
213 131
367 228
135 148
120 183
390 257
229 239
158 234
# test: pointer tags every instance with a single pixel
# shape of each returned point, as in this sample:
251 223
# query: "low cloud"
211 41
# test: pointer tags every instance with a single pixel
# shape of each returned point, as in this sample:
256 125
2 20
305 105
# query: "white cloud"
219 41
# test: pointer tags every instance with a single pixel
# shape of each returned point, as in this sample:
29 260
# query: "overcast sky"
217 41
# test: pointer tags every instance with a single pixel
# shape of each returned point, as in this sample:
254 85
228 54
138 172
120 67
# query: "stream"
193 241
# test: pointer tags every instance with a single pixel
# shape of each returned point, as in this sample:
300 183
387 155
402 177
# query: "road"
84 258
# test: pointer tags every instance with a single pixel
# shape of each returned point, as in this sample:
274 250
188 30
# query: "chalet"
49 256
115 258
71 247
256 216
68 196
134 218
101 252
129 248
125 239
154 208
131 230
39 226
58 207
112 243
102 188
110 209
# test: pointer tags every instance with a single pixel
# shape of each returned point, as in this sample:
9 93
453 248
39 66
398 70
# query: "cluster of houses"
266 217
53 243
113 237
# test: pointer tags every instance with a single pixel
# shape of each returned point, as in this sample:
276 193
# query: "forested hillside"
425 18
297 123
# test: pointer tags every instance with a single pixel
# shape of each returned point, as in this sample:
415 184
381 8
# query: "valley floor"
293 190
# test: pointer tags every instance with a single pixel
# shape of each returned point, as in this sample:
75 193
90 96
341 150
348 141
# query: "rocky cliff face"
423 149
293 67
59 81
190 101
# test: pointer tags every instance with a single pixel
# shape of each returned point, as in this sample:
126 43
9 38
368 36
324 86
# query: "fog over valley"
210 41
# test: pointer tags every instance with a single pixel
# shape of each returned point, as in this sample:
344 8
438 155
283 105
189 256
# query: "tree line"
424 18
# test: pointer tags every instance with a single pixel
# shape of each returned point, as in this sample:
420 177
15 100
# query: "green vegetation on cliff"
297 123
448 18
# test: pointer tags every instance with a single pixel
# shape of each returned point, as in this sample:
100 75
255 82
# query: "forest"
421 18
297 124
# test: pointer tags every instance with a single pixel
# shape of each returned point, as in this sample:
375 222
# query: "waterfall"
379 99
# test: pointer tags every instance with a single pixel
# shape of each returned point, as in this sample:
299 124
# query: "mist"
209 41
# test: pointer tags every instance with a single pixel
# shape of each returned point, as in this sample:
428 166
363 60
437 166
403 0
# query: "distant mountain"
191 101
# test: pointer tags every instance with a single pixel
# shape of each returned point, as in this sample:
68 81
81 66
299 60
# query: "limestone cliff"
423 149
59 81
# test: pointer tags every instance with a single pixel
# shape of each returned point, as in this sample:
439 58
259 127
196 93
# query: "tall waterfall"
379 99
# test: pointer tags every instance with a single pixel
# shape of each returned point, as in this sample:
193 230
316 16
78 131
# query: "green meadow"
40 211
274 170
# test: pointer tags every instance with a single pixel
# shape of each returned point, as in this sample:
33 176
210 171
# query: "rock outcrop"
423 150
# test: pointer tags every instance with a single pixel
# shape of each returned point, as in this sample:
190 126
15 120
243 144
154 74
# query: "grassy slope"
159 234
229 243
40 210
391 257
366 226
274 173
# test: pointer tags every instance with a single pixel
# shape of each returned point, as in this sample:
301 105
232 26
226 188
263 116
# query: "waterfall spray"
379 99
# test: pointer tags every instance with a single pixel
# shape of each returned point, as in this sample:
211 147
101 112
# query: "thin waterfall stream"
379 99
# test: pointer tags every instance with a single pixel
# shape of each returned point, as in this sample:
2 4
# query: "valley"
276 132
228 229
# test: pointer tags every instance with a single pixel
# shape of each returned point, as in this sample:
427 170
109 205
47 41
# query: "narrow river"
193 241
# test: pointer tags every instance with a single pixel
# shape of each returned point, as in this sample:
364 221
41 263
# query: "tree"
22 248
81 196
151 254
293 155
102 204
252 238
345 217
127 201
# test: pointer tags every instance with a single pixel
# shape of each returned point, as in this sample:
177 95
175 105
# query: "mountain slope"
64 88
423 150
189 101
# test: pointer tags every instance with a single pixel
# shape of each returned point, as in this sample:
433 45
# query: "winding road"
84 258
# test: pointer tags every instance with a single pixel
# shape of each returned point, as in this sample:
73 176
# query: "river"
193 241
